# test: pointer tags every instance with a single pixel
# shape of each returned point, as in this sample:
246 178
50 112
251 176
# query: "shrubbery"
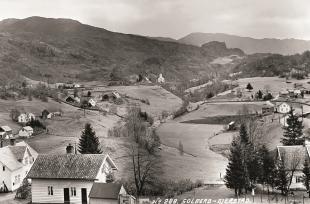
164 188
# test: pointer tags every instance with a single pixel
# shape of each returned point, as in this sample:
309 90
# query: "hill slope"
250 45
65 49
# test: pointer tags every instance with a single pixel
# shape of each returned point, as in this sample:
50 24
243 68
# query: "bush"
24 192
146 101
182 110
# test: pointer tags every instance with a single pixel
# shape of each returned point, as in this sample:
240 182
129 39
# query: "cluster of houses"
62 178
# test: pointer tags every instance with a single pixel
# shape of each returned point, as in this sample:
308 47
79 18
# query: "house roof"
68 166
6 128
28 128
293 156
11 155
8 159
33 152
105 190
18 151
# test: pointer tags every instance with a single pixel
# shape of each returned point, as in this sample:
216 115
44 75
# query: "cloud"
176 18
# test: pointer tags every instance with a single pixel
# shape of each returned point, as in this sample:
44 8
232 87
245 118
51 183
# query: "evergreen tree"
89 142
249 87
235 171
281 179
244 138
293 131
259 94
268 168
306 171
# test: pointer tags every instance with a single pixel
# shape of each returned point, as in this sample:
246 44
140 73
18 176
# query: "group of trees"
259 95
250 162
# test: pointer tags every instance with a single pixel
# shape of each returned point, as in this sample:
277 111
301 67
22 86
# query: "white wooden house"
161 79
68 178
293 158
25 117
6 132
15 162
92 102
25 131
284 108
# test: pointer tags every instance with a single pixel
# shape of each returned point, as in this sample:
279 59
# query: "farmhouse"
6 132
92 102
25 131
15 162
283 108
161 79
25 117
268 108
109 193
110 96
68 178
294 158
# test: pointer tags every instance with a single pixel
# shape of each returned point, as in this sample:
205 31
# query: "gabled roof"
18 151
105 190
6 128
293 156
68 166
32 152
12 155
28 128
8 159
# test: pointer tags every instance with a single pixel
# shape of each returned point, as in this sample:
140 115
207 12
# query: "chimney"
12 141
70 149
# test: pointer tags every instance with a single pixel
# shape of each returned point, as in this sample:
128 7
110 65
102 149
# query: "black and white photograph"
154 102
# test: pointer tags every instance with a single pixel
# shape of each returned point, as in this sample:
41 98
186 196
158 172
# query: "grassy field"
202 163
160 99
205 142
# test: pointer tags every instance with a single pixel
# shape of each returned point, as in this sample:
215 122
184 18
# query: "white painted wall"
39 190
5 176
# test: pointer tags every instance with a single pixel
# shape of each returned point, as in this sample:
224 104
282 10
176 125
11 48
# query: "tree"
89 142
88 94
244 134
249 87
293 131
14 114
281 179
267 97
181 147
145 169
259 94
75 92
306 177
268 167
235 177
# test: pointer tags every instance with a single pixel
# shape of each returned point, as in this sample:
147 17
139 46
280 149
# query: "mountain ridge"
67 49
248 44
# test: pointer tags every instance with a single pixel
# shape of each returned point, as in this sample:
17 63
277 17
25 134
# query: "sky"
176 18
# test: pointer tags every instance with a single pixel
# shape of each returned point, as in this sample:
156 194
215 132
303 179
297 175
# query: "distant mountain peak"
250 45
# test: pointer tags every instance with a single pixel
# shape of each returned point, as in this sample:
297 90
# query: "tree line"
252 163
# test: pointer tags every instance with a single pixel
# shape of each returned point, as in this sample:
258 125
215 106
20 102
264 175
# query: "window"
50 190
73 191
299 179
3 168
